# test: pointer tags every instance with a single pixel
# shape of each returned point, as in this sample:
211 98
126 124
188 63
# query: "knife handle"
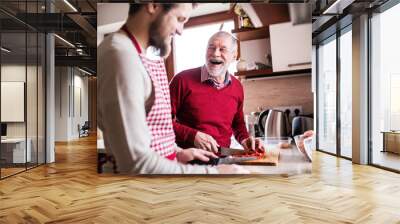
212 162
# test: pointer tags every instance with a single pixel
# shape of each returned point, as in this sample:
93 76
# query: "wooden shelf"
268 73
254 72
251 33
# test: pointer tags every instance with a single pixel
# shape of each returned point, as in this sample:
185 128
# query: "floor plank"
70 191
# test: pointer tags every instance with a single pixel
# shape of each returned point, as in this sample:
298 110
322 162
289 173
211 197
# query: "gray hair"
225 34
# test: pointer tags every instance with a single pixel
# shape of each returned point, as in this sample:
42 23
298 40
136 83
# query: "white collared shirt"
206 77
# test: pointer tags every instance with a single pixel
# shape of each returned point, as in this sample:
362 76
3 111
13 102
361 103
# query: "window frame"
378 10
342 26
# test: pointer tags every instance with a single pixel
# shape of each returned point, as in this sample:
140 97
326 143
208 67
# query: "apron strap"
133 39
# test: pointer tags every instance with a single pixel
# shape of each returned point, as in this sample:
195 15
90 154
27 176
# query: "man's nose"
179 29
217 51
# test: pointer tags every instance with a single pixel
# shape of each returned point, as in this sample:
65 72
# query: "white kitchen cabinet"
290 46
255 50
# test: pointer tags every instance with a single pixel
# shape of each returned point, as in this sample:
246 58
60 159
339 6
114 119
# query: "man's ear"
235 55
152 8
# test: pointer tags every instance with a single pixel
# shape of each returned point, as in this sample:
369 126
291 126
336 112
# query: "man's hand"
306 134
253 144
231 169
206 142
185 155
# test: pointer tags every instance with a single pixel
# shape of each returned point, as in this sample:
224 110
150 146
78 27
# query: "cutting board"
271 158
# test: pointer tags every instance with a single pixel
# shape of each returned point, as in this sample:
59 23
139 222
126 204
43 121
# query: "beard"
159 42
216 72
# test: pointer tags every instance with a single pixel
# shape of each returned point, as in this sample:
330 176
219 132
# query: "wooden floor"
10 171
70 191
387 159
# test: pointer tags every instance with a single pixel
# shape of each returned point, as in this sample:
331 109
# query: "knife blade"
225 160
230 152
233 160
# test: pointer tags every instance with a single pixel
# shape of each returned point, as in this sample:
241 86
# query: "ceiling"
72 20
209 8
328 17
109 21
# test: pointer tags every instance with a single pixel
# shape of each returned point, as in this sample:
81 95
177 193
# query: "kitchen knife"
225 160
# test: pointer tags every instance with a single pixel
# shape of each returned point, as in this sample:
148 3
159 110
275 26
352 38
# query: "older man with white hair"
207 102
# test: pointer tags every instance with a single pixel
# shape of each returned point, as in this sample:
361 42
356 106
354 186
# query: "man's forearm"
184 133
239 130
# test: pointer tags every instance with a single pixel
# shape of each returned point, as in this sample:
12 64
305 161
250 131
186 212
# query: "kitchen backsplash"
278 92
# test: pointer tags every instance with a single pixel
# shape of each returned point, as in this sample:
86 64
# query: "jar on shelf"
241 65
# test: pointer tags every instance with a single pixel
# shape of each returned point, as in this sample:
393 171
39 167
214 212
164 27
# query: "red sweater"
198 106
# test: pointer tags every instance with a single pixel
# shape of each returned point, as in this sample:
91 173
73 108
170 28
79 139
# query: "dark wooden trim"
263 73
250 73
236 21
210 18
272 13
236 25
244 34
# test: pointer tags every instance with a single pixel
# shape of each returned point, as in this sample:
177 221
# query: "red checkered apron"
159 119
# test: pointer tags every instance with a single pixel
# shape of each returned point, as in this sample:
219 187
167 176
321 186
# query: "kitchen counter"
291 162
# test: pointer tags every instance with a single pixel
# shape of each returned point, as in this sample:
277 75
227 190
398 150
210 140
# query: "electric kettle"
277 124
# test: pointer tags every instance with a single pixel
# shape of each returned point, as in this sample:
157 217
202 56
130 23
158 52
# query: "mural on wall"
207 122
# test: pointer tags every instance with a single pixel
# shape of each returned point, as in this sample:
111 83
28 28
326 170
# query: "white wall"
15 72
81 97
34 124
71 93
61 103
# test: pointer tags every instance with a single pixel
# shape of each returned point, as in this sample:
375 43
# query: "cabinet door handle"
299 64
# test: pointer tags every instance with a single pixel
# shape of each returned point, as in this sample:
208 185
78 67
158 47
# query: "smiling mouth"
215 62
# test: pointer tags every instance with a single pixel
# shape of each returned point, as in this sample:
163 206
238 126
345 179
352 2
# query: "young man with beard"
207 102
133 102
